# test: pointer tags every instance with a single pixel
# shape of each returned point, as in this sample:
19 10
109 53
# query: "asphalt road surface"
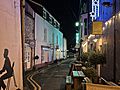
53 76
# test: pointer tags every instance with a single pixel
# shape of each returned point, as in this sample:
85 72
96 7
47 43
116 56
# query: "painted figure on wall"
6 67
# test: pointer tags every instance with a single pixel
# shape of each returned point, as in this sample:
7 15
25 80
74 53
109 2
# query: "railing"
90 86
105 82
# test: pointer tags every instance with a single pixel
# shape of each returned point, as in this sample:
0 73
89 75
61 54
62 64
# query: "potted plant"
91 73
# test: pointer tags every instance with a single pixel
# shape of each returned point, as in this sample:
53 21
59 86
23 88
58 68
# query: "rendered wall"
10 38
52 33
38 36
105 11
108 45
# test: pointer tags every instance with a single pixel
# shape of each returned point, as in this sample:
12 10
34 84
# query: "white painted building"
58 45
49 40
65 48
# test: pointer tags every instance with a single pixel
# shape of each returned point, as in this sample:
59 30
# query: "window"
50 19
47 17
85 26
44 14
54 23
28 56
57 40
45 35
53 38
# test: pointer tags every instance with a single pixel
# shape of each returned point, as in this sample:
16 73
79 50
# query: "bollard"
68 83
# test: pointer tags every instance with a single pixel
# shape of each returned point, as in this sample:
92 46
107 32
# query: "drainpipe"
22 7
34 41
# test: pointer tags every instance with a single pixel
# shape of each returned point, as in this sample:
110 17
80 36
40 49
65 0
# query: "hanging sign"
97 28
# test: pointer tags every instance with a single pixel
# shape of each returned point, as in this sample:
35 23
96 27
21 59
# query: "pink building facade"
10 39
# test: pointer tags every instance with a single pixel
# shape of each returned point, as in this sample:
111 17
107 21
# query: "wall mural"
9 72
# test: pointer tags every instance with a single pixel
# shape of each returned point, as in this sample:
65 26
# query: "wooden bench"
69 83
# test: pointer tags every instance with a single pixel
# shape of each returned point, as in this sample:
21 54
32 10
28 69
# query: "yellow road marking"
39 88
28 78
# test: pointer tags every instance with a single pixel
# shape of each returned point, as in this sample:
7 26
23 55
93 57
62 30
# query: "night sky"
66 13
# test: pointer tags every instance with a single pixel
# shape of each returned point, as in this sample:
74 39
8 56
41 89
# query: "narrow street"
51 77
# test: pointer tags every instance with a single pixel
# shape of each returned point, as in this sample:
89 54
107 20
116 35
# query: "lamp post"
77 24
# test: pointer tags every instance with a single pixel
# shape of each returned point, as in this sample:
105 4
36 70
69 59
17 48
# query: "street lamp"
77 24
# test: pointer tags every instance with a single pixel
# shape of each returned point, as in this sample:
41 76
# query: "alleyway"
51 77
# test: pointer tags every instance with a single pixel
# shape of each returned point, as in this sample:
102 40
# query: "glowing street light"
77 24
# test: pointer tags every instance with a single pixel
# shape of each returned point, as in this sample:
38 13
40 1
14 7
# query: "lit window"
77 38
